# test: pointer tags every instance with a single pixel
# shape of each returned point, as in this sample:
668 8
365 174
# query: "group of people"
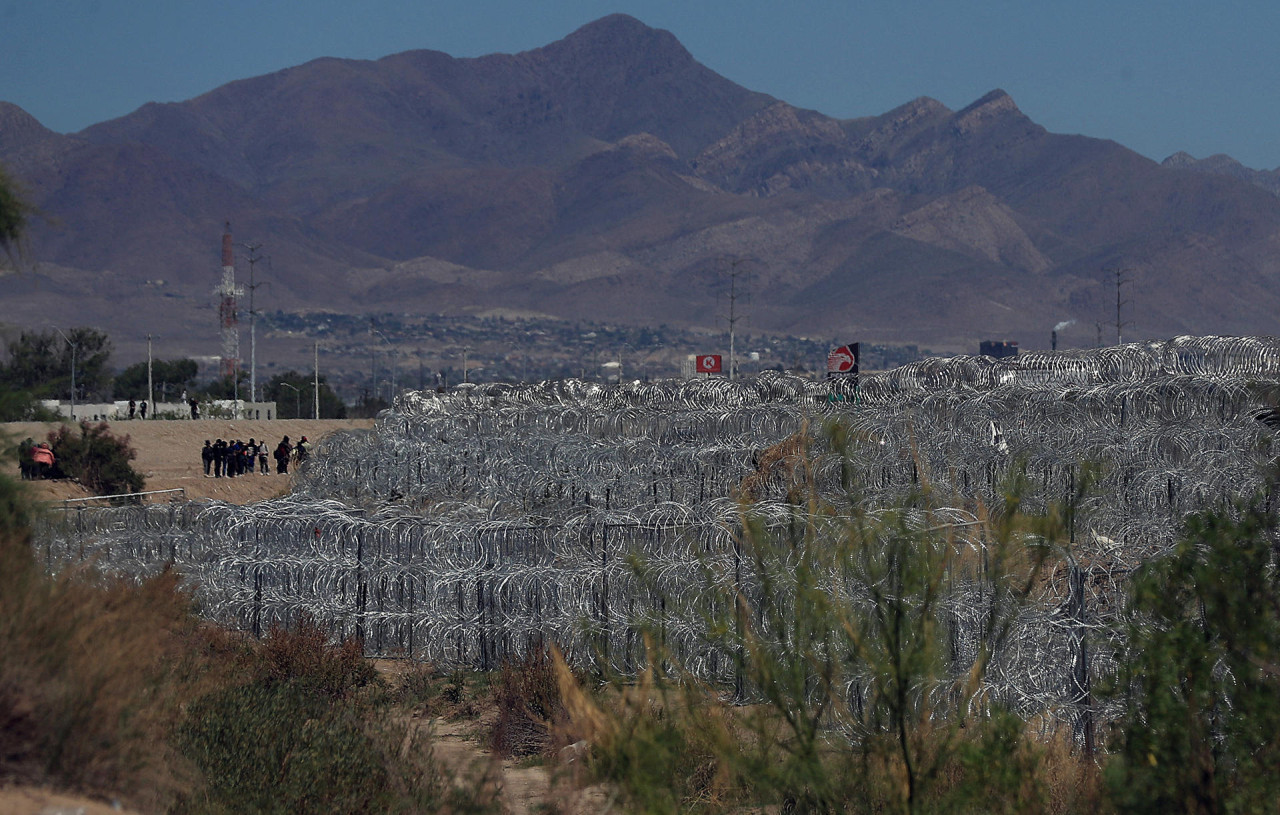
35 461
230 459
139 410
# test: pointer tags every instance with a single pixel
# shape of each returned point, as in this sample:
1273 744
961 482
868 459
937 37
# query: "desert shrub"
527 697
310 728
86 690
96 459
302 654
664 747
857 706
1201 675
281 747
15 508
418 687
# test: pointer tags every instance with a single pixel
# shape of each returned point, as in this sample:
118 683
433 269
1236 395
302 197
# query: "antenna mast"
733 314
1121 279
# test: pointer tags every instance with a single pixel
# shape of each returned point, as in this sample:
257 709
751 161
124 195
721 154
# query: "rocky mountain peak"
1179 159
993 107
19 129
622 36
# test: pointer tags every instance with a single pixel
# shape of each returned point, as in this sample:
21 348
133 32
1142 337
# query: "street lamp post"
390 393
297 399
74 347
150 396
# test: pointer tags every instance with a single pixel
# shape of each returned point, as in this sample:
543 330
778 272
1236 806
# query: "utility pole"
1121 279
465 349
74 346
253 320
150 400
317 380
733 314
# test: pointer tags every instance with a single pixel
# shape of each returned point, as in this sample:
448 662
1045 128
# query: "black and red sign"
843 361
708 364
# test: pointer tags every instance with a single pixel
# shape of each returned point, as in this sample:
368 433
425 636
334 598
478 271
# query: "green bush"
96 459
281 747
22 406
311 730
1201 676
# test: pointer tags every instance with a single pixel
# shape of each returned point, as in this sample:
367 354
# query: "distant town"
367 357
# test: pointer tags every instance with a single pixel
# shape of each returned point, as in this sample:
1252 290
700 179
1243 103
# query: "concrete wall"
119 410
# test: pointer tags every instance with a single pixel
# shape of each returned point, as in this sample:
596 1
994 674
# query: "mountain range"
609 176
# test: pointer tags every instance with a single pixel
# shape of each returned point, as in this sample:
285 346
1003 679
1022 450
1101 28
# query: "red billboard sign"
708 364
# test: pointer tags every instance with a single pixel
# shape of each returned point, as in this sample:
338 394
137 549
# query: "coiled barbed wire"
475 525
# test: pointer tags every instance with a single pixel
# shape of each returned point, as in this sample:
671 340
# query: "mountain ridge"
609 175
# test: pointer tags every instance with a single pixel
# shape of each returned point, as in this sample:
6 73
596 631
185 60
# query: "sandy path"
169 454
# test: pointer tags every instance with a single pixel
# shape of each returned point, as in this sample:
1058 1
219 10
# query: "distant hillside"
610 176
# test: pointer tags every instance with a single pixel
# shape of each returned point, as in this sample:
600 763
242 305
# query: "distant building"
998 348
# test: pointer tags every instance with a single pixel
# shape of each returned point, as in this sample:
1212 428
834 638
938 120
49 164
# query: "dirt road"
169 455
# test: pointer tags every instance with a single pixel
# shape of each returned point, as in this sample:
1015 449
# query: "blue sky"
1157 77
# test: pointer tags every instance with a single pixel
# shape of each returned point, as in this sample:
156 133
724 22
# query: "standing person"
304 449
133 408
142 409
206 457
262 458
195 408
219 457
26 465
283 450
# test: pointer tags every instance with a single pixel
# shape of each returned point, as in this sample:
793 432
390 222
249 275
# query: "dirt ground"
169 455
39 801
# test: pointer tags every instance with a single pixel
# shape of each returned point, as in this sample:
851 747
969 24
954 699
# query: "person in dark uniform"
219 457
283 451
206 456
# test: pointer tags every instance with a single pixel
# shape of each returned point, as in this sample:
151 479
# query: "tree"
169 378
839 621
96 458
294 394
1201 673
40 362
13 214
225 388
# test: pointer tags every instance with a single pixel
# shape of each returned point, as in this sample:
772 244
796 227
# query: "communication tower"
228 320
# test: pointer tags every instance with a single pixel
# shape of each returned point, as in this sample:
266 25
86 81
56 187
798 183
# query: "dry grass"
89 683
